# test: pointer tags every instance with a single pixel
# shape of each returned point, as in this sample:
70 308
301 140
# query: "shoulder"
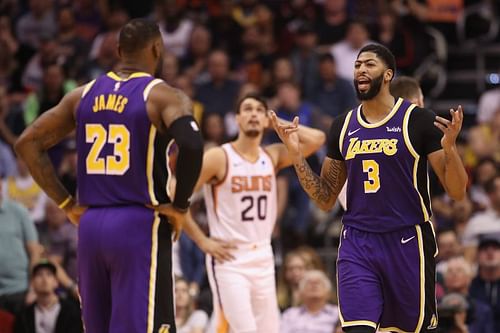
15 207
292 313
419 115
216 153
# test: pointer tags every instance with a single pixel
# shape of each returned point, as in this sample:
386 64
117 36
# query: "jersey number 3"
119 137
372 185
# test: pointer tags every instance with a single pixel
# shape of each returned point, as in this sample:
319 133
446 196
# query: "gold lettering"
121 107
110 102
118 102
387 146
102 103
95 108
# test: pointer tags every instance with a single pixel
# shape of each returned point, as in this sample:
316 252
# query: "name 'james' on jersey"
121 157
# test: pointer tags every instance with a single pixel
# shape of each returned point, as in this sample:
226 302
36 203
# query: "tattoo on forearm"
323 190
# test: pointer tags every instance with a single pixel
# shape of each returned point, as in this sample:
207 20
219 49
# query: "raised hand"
451 129
174 216
287 132
220 250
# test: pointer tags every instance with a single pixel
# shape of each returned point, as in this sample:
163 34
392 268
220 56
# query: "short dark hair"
44 264
383 53
136 34
405 87
255 96
326 57
490 185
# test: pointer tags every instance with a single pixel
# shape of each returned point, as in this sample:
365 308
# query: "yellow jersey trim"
152 273
150 86
422 278
115 77
149 164
392 329
358 323
344 129
87 88
169 178
415 155
383 121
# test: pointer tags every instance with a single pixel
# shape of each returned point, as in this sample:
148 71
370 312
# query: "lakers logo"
373 146
165 328
434 323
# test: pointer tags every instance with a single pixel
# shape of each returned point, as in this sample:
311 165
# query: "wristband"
65 203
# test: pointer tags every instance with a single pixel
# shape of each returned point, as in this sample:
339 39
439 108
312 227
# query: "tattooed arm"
47 130
323 189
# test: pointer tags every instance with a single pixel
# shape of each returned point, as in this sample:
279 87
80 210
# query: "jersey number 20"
116 164
250 213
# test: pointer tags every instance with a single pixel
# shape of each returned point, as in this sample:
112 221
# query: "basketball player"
408 88
239 180
124 123
386 266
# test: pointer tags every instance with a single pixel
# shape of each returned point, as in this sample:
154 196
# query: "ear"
119 51
157 48
388 75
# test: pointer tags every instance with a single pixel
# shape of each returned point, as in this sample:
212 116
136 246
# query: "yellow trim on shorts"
358 323
383 121
152 273
149 164
422 278
223 324
392 329
412 151
344 129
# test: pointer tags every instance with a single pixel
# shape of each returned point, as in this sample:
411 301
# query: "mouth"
253 122
363 84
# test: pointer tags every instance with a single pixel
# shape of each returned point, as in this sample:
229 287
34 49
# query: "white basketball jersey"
242 207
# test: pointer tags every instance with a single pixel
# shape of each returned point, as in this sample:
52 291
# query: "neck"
248 146
47 300
128 67
314 305
489 274
379 107
181 314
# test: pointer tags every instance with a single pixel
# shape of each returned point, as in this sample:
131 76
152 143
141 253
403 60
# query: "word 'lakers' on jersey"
242 207
122 158
384 192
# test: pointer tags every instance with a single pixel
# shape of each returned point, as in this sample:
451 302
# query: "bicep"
176 104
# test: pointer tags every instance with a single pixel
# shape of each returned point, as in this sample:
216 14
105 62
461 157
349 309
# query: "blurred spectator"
39 22
54 87
220 93
289 276
346 51
457 278
47 54
481 144
486 285
67 169
49 313
252 63
194 64
315 315
7 138
407 88
175 28
489 104
23 189
244 13
334 95
59 238
212 129
19 250
106 59
89 16
8 50
114 22
331 25
192 263
396 39
71 46
449 247
486 222
187 319
282 71
170 68
486 169
293 14
305 60
226 32
185 84
452 312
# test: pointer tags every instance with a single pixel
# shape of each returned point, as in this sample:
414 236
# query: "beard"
375 86
252 133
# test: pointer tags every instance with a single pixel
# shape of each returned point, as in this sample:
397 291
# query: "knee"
359 329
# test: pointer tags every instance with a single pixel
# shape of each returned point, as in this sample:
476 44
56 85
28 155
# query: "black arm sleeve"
424 135
188 138
333 149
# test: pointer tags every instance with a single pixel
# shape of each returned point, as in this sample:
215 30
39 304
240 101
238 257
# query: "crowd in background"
299 54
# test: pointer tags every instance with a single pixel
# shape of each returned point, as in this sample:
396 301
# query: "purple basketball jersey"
383 192
121 157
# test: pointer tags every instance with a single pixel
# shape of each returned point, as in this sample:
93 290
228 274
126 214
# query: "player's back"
121 156
243 206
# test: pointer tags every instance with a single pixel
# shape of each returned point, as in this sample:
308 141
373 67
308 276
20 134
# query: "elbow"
19 146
